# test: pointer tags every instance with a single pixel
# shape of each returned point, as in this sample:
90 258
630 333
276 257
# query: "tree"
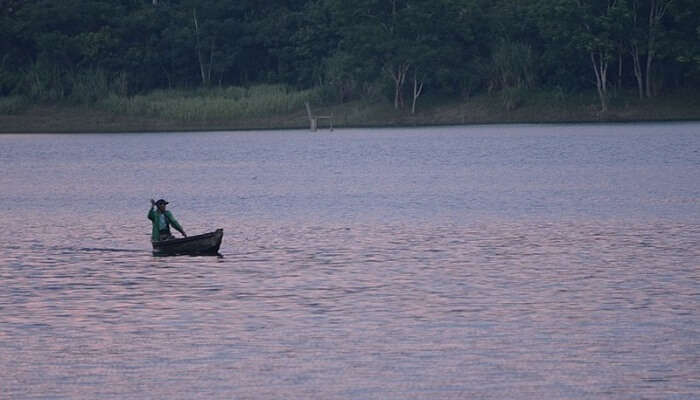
513 70
591 26
214 27
437 37
418 42
402 49
683 39
647 17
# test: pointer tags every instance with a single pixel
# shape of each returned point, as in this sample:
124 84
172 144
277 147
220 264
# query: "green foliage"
89 87
87 51
13 104
229 103
44 82
512 97
513 65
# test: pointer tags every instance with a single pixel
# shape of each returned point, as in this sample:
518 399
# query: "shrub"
213 104
13 104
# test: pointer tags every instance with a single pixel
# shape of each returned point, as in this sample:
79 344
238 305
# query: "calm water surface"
486 262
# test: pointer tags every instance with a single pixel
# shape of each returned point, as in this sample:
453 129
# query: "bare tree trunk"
398 75
649 93
211 61
619 70
657 10
600 67
167 75
417 90
634 52
637 66
200 56
651 42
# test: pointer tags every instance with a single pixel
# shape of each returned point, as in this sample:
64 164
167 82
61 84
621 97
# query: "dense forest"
400 50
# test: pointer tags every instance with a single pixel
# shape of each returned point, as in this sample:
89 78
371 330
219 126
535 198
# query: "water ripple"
490 262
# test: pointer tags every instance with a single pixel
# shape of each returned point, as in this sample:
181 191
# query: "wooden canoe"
200 245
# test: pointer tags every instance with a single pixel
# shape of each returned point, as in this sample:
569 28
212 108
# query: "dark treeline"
79 50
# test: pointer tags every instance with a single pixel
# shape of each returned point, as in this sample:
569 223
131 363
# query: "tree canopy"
400 49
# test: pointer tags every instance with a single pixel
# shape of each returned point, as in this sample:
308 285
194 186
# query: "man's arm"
175 224
151 213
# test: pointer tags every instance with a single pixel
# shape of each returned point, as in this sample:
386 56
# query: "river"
487 262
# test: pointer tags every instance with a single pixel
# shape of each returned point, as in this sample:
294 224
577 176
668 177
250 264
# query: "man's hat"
161 201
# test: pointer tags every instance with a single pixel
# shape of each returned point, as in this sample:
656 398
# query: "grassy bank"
277 107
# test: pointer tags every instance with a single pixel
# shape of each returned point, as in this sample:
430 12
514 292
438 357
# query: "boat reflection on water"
206 244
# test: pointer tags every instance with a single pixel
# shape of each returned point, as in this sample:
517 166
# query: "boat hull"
200 245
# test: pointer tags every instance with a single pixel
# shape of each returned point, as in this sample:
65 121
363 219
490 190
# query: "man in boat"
162 221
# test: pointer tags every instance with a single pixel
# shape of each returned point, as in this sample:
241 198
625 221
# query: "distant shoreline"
478 110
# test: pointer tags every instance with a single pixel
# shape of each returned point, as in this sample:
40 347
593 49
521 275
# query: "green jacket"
154 214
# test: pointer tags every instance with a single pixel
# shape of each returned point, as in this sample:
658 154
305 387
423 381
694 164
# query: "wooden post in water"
313 119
